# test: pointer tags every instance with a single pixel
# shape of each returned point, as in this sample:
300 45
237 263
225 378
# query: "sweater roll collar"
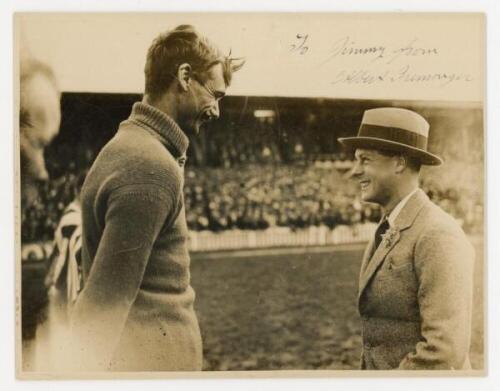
170 134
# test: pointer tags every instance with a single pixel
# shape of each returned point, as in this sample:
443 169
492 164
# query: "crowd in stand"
257 196
465 205
40 219
255 145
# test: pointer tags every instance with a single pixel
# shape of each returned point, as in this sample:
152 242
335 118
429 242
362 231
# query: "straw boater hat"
394 129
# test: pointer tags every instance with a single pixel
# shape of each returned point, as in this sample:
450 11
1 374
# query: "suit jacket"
415 293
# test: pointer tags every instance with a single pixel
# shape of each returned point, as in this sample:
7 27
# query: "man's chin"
366 197
193 128
201 126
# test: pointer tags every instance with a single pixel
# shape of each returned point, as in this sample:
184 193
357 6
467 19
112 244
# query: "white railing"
279 237
241 239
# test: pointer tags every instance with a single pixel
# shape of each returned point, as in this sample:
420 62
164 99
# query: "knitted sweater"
135 312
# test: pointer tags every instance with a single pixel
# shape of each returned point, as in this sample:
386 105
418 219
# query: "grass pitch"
284 311
294 311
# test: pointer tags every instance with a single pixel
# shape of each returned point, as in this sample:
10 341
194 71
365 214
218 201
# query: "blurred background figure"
39 120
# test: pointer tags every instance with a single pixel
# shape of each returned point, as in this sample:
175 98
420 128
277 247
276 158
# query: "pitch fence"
279 237
205 241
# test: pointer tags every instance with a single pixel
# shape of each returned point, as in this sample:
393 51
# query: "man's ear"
401 164
184 75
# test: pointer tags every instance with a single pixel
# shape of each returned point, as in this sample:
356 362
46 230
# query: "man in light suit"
415 291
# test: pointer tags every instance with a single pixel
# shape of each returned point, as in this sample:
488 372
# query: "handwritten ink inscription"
300 46
382 63
348 47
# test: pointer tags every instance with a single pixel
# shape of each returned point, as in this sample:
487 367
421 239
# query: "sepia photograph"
250 194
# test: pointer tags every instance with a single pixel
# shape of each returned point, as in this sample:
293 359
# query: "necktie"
382 227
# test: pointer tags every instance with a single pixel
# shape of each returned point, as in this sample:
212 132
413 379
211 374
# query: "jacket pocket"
395 271
403 267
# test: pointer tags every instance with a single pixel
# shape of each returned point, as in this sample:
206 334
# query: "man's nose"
356 170
37 167
32 160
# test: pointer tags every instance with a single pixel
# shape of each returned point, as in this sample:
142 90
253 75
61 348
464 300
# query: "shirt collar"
395 212
162 125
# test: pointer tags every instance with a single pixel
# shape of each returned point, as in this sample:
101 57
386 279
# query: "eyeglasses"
217 95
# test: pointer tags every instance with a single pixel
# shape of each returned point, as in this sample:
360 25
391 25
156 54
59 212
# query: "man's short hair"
175 47
413 163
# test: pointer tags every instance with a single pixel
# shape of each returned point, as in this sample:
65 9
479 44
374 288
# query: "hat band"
397 135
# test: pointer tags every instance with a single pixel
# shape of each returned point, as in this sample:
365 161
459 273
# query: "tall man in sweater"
135 312
415 293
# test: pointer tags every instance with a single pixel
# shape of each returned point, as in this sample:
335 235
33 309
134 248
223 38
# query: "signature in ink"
403 74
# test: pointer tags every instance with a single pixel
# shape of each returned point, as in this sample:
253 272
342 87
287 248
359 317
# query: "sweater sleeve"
133 220
444 266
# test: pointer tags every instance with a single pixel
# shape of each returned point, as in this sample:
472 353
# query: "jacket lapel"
366 256
375 261
404 220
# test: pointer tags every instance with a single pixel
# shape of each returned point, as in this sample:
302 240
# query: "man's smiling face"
375 173
206 91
